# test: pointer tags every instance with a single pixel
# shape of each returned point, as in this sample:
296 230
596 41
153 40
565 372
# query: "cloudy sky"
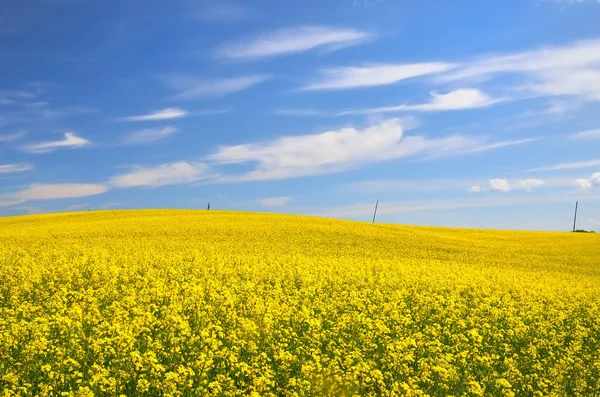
463 113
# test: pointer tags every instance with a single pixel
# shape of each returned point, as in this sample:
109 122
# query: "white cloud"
189 87
275 201
9 168
164 114
149 135
373 75
588 183
528 184
583 184
585 135
339 150
292 40
59 191
455 100
12 137
70 141
567 166
471 185
501 185
572 70
177 173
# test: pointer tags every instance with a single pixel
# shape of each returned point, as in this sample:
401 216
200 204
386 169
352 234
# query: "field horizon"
194 210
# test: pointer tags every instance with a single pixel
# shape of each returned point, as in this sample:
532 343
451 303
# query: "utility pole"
207 208
575 218
375 213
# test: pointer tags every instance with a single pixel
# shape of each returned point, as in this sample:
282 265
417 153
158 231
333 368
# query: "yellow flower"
180 303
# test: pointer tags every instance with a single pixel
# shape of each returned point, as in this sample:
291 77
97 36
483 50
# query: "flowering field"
236 304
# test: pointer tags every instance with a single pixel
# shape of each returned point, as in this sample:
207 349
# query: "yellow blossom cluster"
212 303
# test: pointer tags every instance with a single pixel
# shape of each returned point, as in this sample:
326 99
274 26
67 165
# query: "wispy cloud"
12 137
4 202
43 113
580 54
275 201
51 192
567 166
112 204
209 112
569 70
373 75
366 3
37 104
406 185
340 150
292 40
10 168
76 207
570 2
455 100
59 191
190 87
586 135
483 201
298 112
28 114
553 112
221 11
177 173
149 135
10 97
164 114
70 141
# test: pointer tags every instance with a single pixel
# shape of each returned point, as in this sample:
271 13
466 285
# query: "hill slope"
226 303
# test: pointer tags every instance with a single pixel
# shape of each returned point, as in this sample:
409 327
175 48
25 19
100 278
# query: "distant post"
375 213
575 218
207 208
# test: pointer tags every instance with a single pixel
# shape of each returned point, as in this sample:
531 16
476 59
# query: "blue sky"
464 113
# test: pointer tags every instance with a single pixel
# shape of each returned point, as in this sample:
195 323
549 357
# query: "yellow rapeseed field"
215 303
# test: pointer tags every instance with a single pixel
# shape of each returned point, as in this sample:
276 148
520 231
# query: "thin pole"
375 213
207 208
575 218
